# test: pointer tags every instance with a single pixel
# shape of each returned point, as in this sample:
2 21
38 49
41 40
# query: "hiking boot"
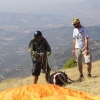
89 76
81 78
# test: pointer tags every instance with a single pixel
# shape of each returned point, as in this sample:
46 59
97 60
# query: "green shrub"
70 63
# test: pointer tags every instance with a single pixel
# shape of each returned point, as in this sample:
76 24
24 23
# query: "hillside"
15 60
88 85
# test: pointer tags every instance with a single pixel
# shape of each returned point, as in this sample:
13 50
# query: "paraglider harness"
58 77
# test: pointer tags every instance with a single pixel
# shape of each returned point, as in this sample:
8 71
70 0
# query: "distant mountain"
15 60
55 15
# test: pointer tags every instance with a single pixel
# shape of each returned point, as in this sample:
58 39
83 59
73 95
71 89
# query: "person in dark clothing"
40 50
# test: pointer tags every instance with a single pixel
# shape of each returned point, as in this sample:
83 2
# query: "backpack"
58 78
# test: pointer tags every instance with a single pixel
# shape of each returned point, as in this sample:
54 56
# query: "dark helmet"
37 34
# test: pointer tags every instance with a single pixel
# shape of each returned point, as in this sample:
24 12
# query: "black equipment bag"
58 78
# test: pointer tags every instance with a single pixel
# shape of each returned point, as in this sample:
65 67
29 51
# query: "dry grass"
88 85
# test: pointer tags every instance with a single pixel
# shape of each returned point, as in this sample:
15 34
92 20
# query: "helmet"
75 20
37 34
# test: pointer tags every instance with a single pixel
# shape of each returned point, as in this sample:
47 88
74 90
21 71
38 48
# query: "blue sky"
16 5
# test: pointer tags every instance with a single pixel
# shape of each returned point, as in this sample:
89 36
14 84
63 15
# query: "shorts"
81 52
38 66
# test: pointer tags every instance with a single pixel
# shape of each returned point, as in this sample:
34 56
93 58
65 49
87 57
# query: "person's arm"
86 46
48 48
73 50
74 42
86 41
32 49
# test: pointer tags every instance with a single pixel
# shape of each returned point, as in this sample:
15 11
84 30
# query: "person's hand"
48 53
33 53
86 52
73 52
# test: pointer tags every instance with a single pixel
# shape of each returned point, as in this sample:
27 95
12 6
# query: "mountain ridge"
49 16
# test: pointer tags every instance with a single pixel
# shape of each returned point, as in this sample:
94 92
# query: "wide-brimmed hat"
75 20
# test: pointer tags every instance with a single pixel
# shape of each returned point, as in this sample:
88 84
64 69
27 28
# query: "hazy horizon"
13 6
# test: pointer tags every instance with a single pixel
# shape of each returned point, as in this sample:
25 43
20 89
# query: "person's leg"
35 79
78 55
46 77
88 62
47 73
89 67
81 77
36 72
80 68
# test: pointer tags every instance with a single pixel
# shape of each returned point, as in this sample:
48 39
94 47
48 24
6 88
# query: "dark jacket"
37 48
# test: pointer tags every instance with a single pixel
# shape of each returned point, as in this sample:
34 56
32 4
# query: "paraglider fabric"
45 92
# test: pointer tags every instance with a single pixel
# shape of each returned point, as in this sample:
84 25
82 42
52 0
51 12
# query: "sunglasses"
75 24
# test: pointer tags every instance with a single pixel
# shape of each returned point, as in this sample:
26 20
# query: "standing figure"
39 50
81 47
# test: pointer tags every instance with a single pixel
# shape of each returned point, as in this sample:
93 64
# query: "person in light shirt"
81 47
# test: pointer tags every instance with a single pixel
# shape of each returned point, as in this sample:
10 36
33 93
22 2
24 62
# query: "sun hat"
75 20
